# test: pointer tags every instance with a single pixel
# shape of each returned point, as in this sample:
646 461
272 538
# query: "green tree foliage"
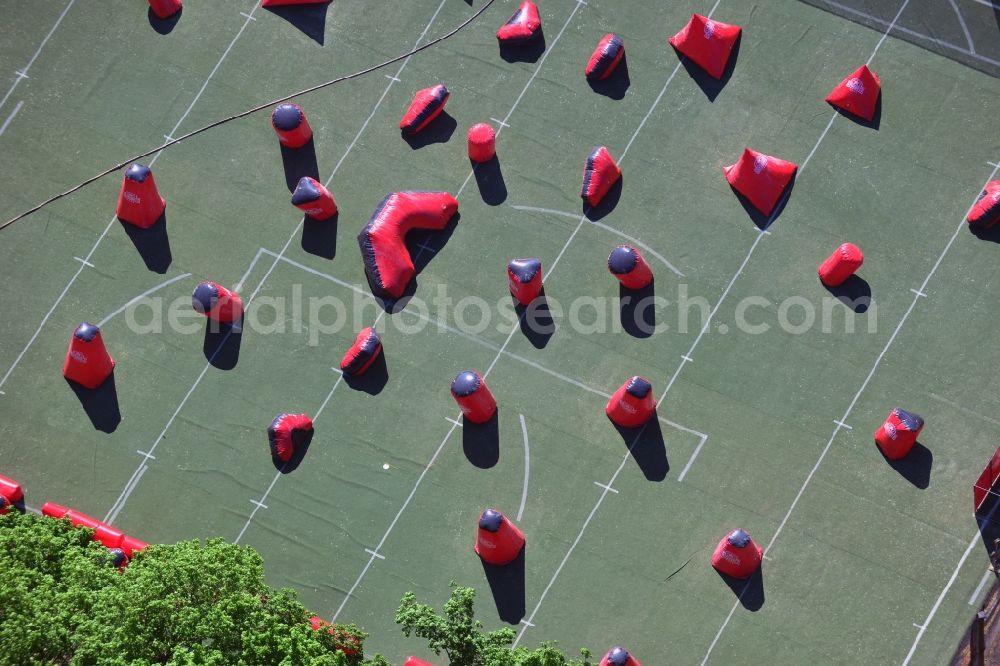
63 602
460 636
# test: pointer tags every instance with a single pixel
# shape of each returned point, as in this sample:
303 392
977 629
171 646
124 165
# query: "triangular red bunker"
858 93
760 178
523 26
599 175
708 43
427 105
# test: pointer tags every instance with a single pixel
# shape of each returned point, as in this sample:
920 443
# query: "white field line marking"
260 504
248 16
973 600
691 460
374 553
111 222
455 421
919 293
20 75
842 424
499 122
687 359
168 137
636 241
987 3
238 287
146 455
527 463
847 413
85 262
141 296
993 164
395 79
129 487
24 72
965 28
33 509
3 128
527 623
606 488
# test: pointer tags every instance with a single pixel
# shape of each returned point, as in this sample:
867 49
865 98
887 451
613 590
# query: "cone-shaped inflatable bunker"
628 265
523 26
599 175
707 43
139 202
427 105
986 212
760 178
313 199
525 279
290 124
619 656
482 143
841 265
632 404
88 362
366 348
473 397
285 433
737 555
498 541
387 262
216 302
858 93
165 8
899 433
605 58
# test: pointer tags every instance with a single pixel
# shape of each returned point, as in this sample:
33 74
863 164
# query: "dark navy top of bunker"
86 332
738 538
137 172
466 383
618 656
638 387
491 520
622 260
305 192
204 297
912 421
525 270
286 117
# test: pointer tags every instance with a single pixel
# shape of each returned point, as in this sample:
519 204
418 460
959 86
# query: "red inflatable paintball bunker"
605 58
387 262
139 202
761 178
986 212
122 547
216 302
498 541
841 265
285 432
619 656
524 26
413 661
629 267
313 199
88 362
707 43
899 433
284 3
165 8
737 555
482 143
366 348
858 93
525 279
345 642
473 397
632 404
599 175
427 105
10 493
290 124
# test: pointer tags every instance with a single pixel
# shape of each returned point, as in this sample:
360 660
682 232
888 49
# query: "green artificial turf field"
770 430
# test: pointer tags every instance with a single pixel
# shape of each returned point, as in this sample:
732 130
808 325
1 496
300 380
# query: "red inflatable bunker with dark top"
858 93
473 397
737 555
599 175
216 302
841 265
387 262
482 143
290 124
523 26
498 541
619 656
899 433
761 178
707 43
285 432
629 267
313 199
87 362
986 212
632 404
427 105
366 348
525 279
139 202
605 58
165 8
347 643
413 661
10 490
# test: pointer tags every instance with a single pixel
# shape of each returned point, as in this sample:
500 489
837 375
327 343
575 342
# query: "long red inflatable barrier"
108 536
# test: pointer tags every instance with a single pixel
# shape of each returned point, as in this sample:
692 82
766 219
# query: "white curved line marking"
575 216
965 28
527 461
141 296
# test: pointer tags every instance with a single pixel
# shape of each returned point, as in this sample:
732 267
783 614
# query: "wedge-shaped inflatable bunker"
498 541
139 202
87 362
387 262
899 433
525 279
313 199
761 178
427 105
599 175
216 302
841 265
523 26
619 656
473 397
366 348
284 434
290 124
986 212
737 555
707 43
605 58
858 93
629 267
165 8
632 404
